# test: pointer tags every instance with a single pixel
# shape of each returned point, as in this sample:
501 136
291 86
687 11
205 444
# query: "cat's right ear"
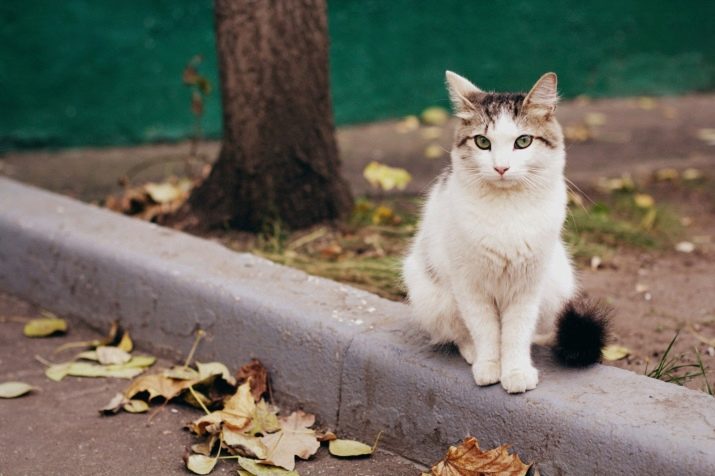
462 92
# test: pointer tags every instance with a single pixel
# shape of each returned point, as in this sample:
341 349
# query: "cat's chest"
508 238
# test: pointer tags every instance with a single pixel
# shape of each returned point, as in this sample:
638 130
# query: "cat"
488 269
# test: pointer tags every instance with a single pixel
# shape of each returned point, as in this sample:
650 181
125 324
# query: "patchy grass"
367 251
674 369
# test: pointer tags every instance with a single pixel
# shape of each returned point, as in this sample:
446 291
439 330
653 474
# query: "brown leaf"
467 459
257 373
156 385
294 439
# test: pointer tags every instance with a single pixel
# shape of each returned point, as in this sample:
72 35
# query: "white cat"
488 265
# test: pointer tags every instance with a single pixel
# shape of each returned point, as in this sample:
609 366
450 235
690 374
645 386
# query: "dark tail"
581 333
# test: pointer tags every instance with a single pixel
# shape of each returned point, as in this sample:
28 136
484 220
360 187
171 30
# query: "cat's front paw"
486 372
519 380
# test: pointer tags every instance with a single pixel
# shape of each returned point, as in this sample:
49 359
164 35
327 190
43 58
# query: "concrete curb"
329 349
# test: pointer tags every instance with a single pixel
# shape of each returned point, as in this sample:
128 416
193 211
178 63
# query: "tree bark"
279 158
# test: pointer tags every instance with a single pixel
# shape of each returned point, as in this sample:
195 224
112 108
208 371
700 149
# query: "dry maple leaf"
467 459
294 439
258 376
238 411
156 385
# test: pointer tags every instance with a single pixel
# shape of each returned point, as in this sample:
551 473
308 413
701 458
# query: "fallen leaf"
14 389
467 459
88 355
181 372
349 448
643 200
206 447
215 368
707 135
45 326
408 124
386 177
264 419
85 369
255 468
156 385
125 343
596 262
258 376
433 151
577 133
594 119
136 406
435 116
615 352
327 436
164 192
685 247
431 133
295 438
109 355
200 464
140 361
238 442
114 405
646 103
666 174
691 174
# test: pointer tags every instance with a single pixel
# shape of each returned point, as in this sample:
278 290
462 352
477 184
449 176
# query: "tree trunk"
279 157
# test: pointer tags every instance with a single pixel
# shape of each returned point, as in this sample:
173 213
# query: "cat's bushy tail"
582 331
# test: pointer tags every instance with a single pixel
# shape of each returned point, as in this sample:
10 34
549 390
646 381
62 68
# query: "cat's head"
506 140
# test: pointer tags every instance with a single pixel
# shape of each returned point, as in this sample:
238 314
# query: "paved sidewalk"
58 431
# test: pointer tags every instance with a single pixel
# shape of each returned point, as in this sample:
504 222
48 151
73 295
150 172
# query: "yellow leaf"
594 119
615 352
255 468
349 448
408 124
431 133
643 200
14 389
126 343
237 440
180 372
215 368
468 459
136 406
200 464
646 103
109 355
156 385
386 177
433 151
435 116
666 174
86 369
691 174
114 405
164 192
140 361
295 438
45 326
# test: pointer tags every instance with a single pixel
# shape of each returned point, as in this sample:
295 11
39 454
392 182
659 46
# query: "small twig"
156 412
199 335
43 361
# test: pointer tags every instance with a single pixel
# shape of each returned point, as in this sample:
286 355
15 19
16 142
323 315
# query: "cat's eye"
482 142
522 142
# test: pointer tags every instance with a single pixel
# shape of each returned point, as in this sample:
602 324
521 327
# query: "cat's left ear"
462 92
543 97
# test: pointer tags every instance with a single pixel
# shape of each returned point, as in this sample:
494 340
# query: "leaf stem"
200 333
196 397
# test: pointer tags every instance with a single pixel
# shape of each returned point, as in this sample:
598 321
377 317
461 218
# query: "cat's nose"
501 170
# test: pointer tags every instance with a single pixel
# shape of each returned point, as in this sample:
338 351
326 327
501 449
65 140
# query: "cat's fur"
488 267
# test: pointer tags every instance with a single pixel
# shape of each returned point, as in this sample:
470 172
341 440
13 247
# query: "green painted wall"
83 72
